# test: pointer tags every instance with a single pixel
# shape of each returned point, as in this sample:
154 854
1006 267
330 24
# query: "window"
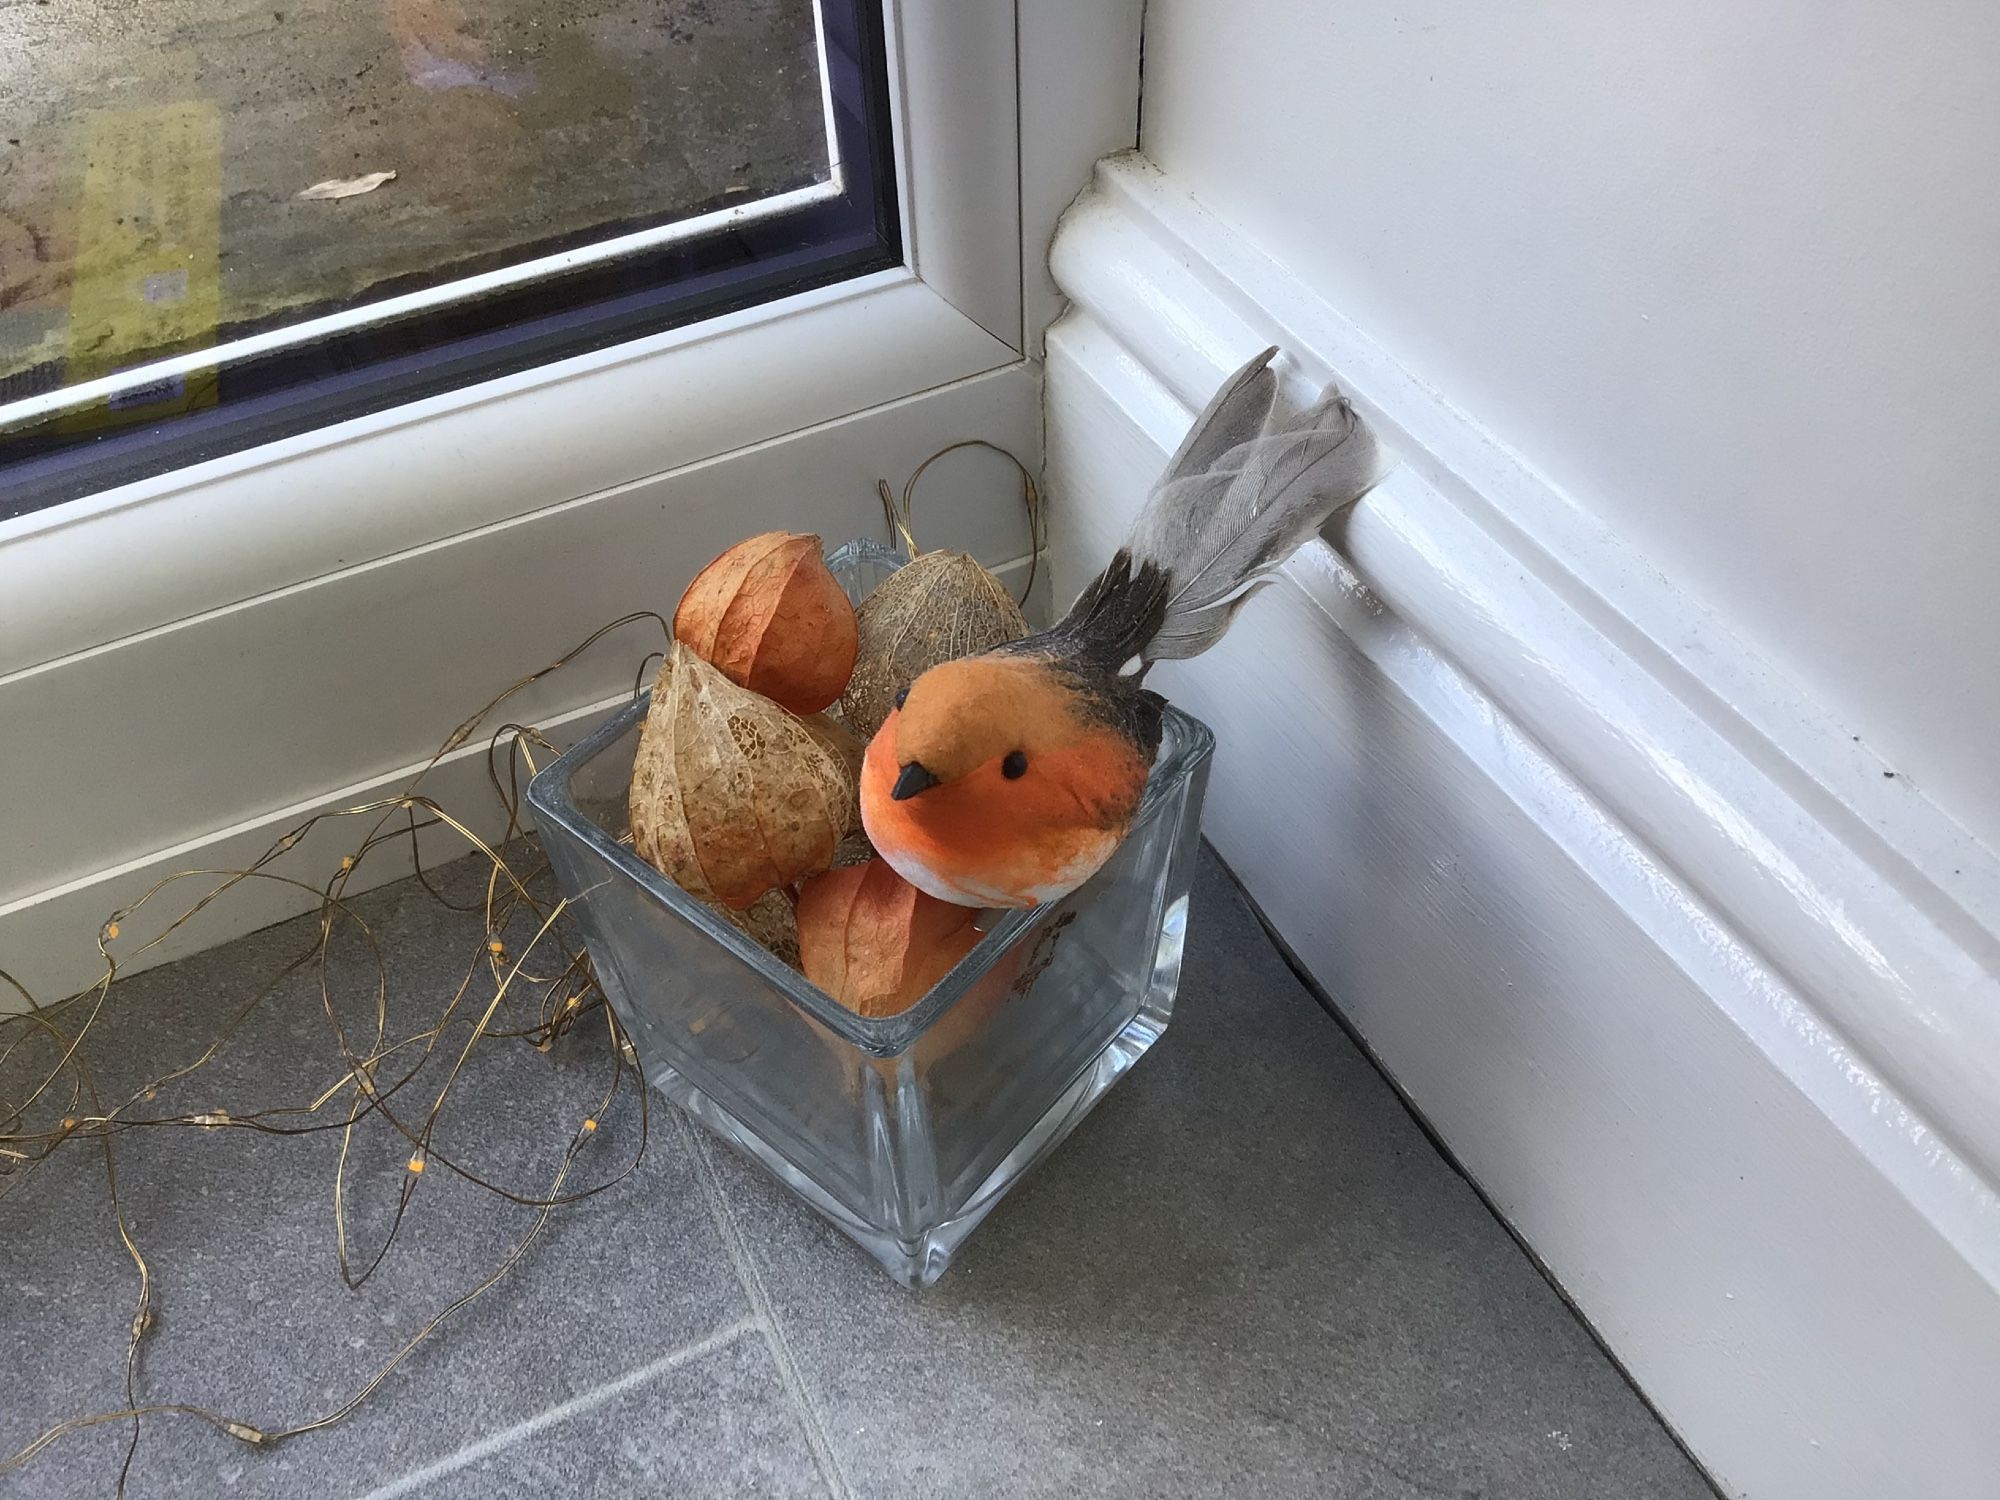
227 221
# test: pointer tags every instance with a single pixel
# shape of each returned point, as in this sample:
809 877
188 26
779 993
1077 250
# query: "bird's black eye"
902 695
1015 766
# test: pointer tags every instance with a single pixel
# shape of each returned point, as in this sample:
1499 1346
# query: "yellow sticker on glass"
147 281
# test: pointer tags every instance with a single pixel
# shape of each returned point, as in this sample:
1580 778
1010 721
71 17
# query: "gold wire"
571 993
901 520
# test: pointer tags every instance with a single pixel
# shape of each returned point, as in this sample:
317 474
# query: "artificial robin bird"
1008 778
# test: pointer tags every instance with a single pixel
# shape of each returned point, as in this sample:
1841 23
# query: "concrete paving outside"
151 155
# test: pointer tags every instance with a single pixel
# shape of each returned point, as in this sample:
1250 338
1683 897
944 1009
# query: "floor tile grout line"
761 1310
471 1453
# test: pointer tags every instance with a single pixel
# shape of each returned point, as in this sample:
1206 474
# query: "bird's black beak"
913 780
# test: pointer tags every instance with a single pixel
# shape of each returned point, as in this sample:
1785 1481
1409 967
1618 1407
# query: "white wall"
1727 272
1685 324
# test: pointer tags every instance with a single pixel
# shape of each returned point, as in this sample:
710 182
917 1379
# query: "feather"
1245 489
1234 415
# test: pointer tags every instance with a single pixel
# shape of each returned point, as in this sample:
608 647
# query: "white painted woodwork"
955 92
1704 1001
98 570
1079 74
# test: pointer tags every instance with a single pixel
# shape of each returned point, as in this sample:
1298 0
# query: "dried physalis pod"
838 741
731 795
875 942
770 922
769 616
939 607
854 850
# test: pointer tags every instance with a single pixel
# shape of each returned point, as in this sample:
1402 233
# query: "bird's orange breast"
985 839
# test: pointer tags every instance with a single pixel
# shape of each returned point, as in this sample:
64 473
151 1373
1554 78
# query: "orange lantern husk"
875 942
771 617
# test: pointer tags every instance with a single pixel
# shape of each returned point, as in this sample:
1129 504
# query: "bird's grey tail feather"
1247 488
1244 490
1236 413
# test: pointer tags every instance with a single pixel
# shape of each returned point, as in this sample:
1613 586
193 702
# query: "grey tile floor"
1248 1273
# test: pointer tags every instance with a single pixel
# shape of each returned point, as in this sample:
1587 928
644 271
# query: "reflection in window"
221 220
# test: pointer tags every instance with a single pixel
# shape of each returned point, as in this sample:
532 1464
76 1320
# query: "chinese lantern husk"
771 617
875 942
939 607
732 796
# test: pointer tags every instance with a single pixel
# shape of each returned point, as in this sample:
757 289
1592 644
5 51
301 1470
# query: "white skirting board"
1704 1002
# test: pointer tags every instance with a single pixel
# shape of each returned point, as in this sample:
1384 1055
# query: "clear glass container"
904 1131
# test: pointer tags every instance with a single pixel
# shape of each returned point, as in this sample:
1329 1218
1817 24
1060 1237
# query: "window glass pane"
223 220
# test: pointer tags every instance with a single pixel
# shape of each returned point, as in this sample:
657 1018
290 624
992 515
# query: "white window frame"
212 534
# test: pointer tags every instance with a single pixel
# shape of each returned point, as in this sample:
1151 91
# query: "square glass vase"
903 1131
